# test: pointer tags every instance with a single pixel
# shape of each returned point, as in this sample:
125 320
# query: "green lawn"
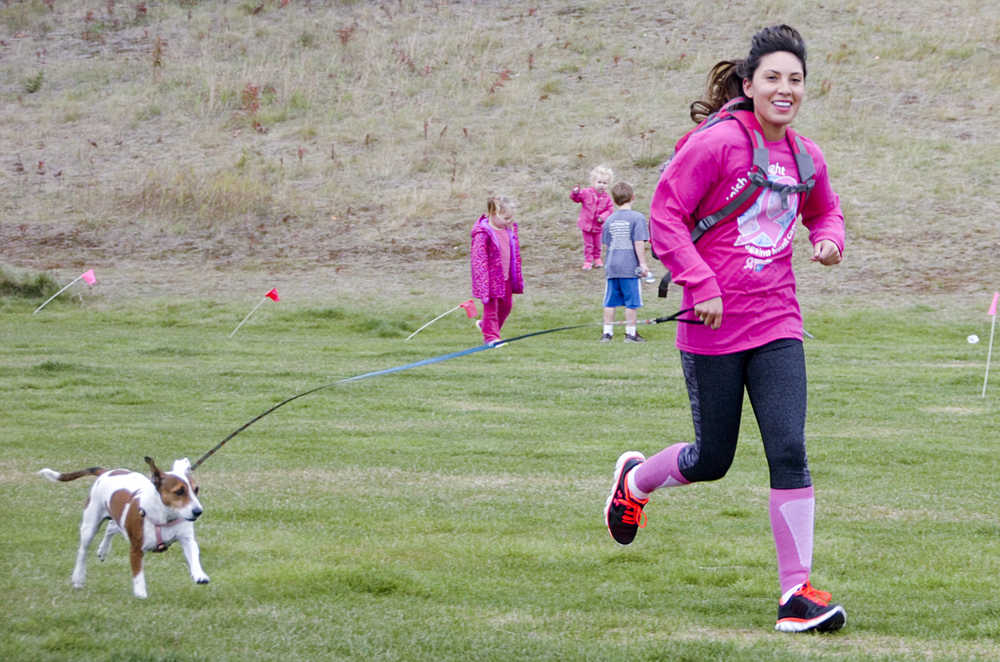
454 511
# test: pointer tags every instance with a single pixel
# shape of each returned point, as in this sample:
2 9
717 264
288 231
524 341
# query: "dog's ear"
157 475
183 467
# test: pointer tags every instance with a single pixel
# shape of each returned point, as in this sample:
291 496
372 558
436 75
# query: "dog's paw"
201 579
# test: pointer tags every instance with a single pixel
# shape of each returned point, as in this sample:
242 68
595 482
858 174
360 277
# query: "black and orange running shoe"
623 512
808 609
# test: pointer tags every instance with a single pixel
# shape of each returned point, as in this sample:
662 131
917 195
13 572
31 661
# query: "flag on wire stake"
272 295
470 311
992 312
87 276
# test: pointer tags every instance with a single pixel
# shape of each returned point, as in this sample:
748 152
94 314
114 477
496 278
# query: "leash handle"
676 317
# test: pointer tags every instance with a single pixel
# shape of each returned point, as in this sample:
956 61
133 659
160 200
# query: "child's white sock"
609 329
630 330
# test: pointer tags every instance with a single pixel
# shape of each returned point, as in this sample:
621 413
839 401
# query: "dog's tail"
57 477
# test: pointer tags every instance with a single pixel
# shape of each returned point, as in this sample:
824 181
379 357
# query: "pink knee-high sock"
660 471
792 513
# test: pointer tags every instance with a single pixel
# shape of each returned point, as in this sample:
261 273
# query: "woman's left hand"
826 252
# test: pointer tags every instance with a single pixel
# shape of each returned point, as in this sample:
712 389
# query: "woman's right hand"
710 312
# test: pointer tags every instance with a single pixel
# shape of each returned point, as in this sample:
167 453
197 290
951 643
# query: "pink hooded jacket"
747 260
484 260
594 208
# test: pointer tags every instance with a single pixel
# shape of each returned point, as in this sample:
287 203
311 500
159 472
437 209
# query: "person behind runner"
738 279
595 206
624 239
495 264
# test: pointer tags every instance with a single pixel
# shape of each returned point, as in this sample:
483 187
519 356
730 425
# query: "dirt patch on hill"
345 151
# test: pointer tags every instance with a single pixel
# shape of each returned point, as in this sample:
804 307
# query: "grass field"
453 511
197 153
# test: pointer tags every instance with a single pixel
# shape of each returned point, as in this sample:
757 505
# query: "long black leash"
436 359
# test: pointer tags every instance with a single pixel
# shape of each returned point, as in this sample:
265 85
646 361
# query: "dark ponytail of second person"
725 80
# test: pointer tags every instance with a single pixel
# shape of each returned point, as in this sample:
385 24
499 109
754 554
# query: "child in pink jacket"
595 206
495 263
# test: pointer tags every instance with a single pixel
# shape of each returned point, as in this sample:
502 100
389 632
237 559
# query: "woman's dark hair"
725 80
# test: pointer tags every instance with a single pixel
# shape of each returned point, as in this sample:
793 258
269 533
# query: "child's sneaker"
598 263
635 337
587 266
809 609
606 337
623 513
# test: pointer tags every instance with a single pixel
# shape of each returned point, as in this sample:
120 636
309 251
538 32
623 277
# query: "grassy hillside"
184 146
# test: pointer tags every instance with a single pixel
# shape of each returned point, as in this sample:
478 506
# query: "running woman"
738 280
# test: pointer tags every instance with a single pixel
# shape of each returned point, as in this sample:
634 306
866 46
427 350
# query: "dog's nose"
196 513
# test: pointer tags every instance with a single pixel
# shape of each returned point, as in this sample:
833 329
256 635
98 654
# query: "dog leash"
435 359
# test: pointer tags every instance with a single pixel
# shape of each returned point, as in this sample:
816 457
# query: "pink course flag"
468 306
87 276
472 311
989 353
272 295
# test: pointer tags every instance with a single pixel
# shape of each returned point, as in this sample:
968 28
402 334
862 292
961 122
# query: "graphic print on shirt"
621 236
765 229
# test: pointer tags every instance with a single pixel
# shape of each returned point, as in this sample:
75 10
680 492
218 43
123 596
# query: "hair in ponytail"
497 203
725 80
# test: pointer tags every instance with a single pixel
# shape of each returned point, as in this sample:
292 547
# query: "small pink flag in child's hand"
993 306
470 308
273 295
89 277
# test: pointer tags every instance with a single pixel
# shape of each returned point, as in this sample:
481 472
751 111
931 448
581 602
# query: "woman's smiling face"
777 88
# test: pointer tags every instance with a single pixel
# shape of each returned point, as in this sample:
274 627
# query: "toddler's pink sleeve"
606 209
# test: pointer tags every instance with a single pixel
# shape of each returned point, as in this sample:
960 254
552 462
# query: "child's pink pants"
495 312
591 246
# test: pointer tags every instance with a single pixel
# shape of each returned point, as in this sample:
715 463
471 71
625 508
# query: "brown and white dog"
150 513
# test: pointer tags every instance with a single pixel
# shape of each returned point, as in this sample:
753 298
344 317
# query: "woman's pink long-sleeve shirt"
747 261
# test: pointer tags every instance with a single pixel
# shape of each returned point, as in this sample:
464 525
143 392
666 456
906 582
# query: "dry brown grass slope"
217 147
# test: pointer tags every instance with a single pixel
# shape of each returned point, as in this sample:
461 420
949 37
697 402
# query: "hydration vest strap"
804 162
758 175
758 180
706 224
761 157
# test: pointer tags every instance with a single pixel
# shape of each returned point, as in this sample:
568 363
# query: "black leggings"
775 378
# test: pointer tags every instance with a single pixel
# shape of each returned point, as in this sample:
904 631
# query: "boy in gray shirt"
623 238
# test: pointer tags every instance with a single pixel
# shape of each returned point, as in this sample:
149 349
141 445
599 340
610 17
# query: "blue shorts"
622 292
